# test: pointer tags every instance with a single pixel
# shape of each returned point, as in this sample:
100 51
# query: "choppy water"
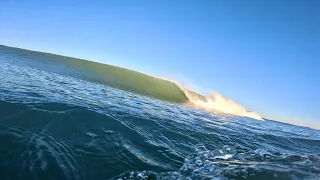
54 126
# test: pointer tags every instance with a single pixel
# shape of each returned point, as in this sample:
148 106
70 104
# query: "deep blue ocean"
54 126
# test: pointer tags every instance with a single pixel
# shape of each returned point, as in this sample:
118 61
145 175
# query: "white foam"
217 102
220 103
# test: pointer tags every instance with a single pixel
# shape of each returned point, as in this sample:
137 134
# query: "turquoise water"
57 124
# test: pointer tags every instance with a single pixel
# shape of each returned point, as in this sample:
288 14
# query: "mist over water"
60 124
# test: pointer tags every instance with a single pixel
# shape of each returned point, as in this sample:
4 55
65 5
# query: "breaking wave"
129 80
217 102
57 124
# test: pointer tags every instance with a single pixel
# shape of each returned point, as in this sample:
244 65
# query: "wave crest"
217 102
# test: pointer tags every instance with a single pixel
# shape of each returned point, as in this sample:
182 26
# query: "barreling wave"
129 80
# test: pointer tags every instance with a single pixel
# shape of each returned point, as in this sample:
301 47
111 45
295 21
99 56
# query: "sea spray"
220 103
217 102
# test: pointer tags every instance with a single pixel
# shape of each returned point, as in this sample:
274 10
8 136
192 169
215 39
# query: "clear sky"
263 54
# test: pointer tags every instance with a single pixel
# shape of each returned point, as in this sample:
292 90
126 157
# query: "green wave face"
132 81
113 76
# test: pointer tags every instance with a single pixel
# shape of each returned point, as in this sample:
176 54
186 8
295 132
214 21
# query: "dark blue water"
56 126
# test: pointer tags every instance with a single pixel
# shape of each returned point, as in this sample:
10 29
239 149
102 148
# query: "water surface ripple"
54 126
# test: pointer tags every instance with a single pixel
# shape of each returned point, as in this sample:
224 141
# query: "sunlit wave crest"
217 102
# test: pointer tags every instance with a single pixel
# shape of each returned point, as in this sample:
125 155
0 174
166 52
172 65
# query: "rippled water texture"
54 126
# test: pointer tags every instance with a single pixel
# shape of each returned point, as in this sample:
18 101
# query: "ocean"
66 118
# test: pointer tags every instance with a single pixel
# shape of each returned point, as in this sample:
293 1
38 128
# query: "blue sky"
263 54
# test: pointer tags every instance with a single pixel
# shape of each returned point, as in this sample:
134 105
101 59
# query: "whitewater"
215 102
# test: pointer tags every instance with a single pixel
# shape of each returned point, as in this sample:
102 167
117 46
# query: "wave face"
113 76
128 80
57 125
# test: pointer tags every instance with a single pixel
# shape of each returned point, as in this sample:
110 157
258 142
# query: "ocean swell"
128 80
